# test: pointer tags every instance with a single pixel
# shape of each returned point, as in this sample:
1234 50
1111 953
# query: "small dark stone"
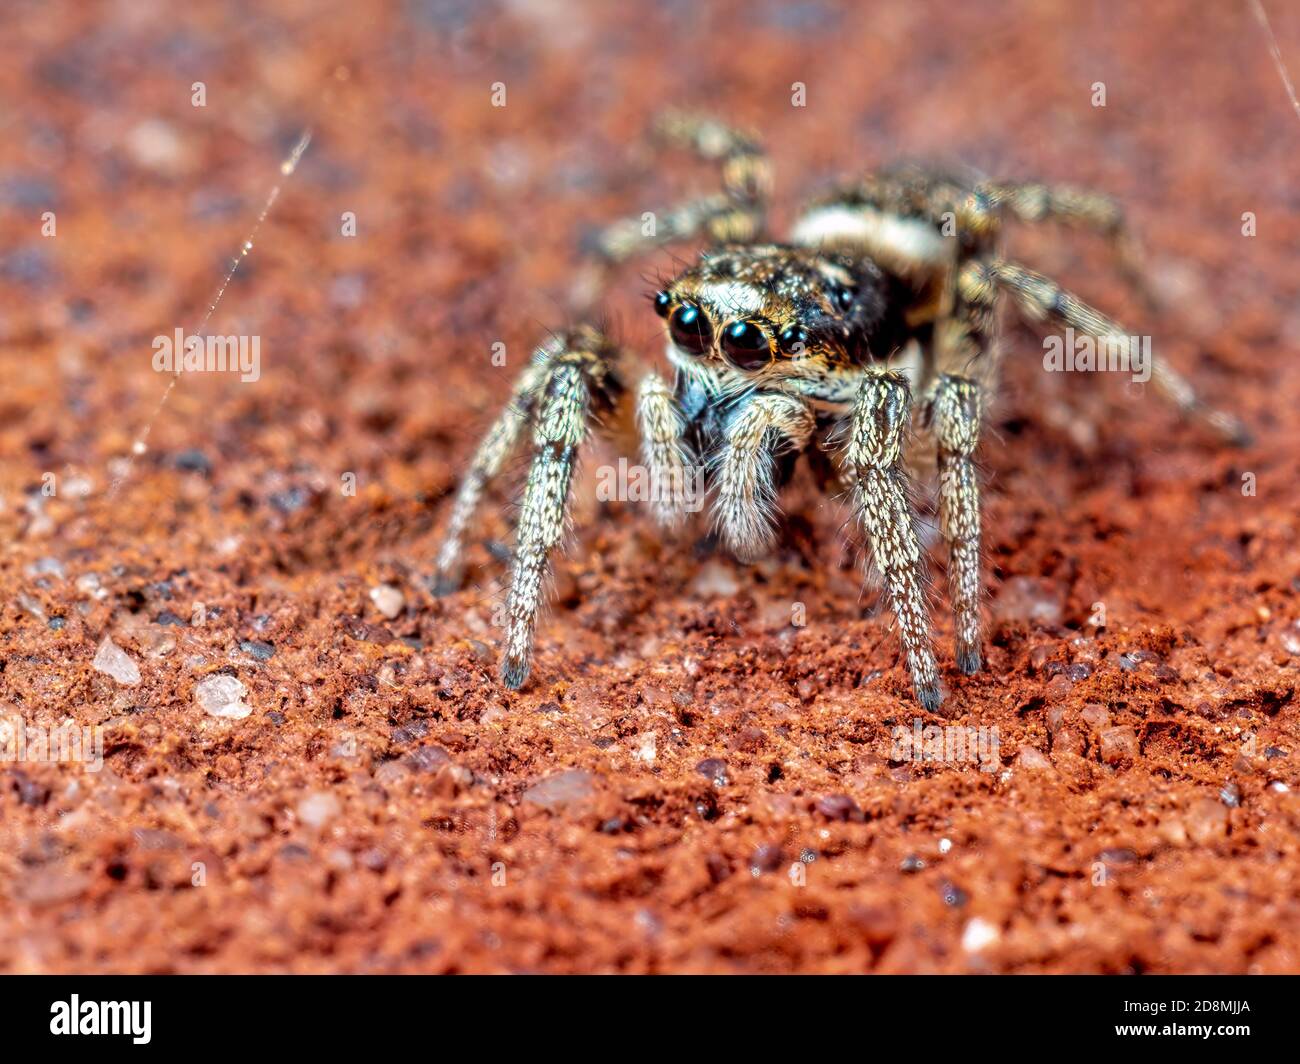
277 718
29 266
719 868
167 617
714 769
290 501
1131 659
406 733
500 551
30 791
707 808
29 192
257 649
1272 752
767 858
807 856
412 642
193 462
1078 671
291 851
374 859
442 586
56 623
1122 855
953 895
839 807
1230 795
612 826
366 632
1165 674
549 707
911 863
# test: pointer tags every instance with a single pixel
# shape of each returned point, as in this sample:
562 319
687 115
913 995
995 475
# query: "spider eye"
690 329
793 340
745 345
663 301
844 298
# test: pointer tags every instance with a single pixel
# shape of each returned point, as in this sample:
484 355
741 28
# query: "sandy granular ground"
690 782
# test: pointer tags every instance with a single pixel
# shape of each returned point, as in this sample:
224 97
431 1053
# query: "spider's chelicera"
888 287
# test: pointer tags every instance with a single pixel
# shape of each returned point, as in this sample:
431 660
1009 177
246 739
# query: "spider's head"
774 311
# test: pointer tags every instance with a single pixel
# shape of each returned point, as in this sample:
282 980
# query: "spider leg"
578 380
735 216
1032 202
569 378
496 447
880 494
759 428
746 173
954 411
663 448
1039 298
965 355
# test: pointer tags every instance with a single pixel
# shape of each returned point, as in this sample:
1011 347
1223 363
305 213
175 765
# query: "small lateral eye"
793 340
844 298
663 303
745 345
690 329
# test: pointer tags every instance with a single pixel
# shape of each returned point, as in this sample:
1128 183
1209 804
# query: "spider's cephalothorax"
887 288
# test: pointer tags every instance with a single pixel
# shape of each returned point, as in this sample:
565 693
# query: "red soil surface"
729 796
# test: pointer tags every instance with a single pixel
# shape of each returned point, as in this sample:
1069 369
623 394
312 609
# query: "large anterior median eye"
690 329
745 345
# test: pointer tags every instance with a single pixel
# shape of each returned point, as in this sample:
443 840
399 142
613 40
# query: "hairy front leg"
875 456
757 431
664 449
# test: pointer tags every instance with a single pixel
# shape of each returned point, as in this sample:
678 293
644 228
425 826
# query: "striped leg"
1033 203
570 379
1041 299
955 415
735 216
497 446
758 429
663 449
875 456
578 381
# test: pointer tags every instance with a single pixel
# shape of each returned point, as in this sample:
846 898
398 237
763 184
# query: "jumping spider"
888 286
